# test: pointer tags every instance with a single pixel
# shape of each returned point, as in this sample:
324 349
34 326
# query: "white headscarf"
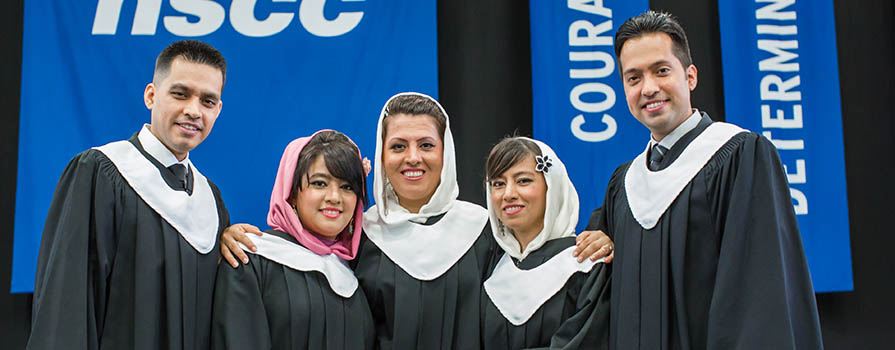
387 201
425 252
561 212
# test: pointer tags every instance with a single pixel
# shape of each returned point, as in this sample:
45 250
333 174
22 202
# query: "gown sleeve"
596 220
487 251
763 297
588 327
599 218
74 262
239 318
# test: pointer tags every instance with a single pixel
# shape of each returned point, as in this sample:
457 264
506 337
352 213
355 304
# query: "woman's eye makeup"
318 183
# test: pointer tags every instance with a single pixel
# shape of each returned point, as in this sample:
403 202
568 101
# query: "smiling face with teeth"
519 197
412 158
325 204
657 86
185 104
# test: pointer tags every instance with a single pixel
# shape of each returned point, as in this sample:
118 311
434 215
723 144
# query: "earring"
389 192
351 228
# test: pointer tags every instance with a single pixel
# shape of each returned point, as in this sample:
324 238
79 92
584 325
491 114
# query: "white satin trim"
426 252
194 216
341 279
650 193
518 293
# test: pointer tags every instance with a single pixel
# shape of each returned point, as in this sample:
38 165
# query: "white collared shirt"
157 150
669 140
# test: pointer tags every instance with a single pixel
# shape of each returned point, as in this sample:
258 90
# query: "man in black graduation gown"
129 251
707 249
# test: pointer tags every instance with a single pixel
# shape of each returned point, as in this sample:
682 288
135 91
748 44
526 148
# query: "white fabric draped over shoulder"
194 216
518 293
339 276
650 193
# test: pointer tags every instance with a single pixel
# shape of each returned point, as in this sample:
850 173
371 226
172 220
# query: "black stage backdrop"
485 85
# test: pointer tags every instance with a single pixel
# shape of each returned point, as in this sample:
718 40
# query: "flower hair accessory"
544 163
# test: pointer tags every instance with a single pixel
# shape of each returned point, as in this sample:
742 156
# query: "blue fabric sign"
781 80
294 66
579 103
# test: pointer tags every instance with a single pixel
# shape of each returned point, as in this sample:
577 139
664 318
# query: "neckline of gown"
278 247
427 251
194 216
519 293
650 193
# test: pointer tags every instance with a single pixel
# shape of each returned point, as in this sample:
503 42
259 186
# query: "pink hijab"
282 217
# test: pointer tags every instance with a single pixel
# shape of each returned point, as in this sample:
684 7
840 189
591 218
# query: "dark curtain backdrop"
485 85
15 309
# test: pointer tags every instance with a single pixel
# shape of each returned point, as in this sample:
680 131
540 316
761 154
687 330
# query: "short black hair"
192 51
506 153
414 105
341 158
654 22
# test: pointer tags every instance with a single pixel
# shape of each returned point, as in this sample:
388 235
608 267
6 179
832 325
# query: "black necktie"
180 172
656 155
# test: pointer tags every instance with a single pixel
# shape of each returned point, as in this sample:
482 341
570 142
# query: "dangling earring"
389 192
351 228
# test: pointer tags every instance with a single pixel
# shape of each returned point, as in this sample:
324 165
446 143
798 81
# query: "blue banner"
579 105
294 66
781 80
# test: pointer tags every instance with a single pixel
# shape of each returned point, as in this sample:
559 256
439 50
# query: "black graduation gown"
113 274
267 305
576 317
724 266
412 314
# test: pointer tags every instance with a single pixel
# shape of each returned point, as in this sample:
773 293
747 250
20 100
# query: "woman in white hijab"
535 294
422 262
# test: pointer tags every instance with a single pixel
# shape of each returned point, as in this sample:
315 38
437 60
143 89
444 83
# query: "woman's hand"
230 240
594 244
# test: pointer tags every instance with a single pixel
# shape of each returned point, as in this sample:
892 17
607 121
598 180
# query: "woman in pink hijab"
297 291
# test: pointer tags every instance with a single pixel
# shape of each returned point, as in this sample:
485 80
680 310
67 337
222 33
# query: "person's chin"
185 144
329 232
512 221
656 123
416 190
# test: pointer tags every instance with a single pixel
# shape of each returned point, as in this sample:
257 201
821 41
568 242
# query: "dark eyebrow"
321 175
523 172
651 66
190 91
629 70
210 95
660 63
179 86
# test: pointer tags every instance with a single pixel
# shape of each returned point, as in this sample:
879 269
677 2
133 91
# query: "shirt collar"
669 140
157 150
